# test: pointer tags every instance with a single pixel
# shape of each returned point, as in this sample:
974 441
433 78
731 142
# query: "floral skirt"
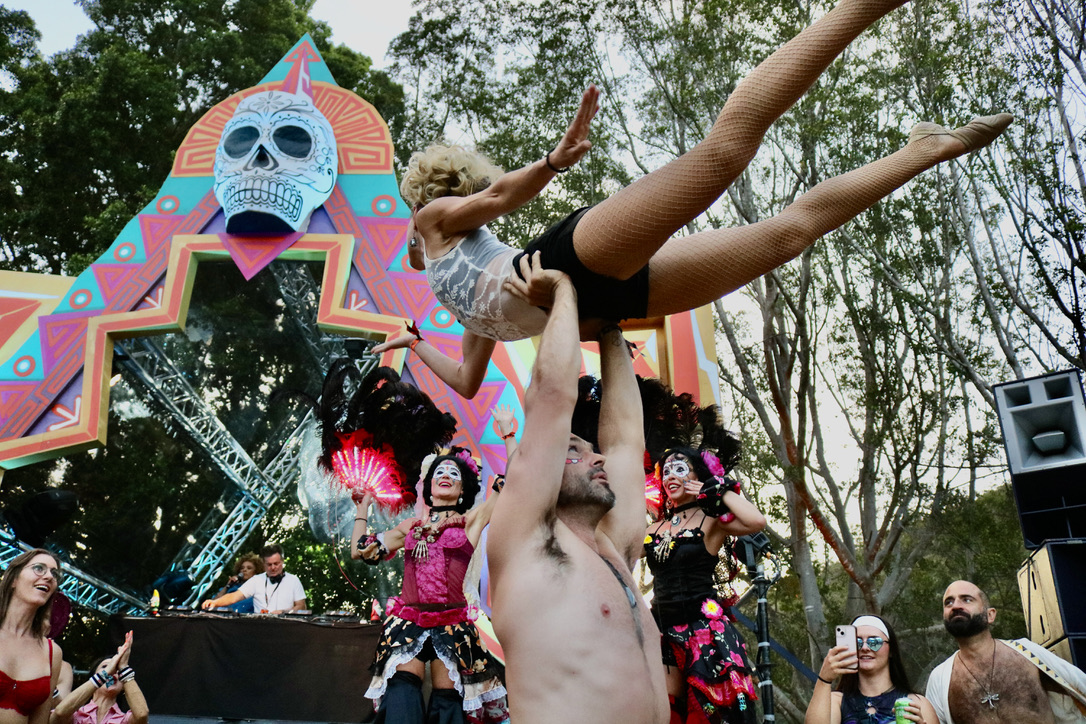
713 658
454 640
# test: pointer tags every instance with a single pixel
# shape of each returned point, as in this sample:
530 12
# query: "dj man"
273 591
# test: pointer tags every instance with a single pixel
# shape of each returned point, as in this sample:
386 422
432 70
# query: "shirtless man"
989 680
579 641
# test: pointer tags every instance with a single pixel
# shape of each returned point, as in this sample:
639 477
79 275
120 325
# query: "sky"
62 21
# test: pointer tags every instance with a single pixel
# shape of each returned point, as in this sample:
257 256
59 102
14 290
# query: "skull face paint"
447 469
276 163
676 467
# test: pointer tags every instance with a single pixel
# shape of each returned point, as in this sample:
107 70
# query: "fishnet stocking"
620 235
691 271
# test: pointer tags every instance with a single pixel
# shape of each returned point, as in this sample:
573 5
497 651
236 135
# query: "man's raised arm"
534 474
622 441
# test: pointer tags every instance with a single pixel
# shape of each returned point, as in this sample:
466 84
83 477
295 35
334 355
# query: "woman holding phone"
872 677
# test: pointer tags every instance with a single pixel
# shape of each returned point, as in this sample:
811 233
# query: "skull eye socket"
294 141
240 141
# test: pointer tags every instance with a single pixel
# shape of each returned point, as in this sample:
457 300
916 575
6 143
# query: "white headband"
873 622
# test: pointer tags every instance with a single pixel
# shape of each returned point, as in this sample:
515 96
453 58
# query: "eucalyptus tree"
857 372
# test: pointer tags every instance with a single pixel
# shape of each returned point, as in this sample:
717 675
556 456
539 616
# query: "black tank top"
683 579
854 707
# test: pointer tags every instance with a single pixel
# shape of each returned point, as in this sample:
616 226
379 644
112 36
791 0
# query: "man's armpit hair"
551 549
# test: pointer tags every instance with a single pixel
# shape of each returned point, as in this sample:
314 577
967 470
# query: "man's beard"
581 491
961 628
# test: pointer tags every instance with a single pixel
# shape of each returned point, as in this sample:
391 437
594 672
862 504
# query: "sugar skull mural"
275 164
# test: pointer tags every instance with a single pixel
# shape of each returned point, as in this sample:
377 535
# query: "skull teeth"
264 194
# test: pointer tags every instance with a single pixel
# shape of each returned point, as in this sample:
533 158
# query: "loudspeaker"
1043 421
1053 587
1044 432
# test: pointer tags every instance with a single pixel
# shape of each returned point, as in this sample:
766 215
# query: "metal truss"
169 387
82 588
302 297
223 544
234 517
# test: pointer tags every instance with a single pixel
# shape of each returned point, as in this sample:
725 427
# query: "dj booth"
306 668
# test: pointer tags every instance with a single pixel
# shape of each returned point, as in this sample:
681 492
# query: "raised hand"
575 143
505 419
124 651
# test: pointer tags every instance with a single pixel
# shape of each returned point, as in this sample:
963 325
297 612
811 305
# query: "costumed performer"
619 253
689 549
29 660
431 620
245 568
871 681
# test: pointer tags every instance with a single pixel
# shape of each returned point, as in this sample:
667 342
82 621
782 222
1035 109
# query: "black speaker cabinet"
1044 432
1053 587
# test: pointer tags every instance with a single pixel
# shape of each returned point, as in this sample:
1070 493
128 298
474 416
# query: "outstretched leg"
620 235
700 268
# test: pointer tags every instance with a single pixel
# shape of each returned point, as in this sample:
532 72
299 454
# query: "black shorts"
597 295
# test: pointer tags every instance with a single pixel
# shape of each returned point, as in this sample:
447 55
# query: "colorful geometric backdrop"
57 333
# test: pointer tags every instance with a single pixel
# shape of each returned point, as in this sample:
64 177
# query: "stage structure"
60 337
1044 432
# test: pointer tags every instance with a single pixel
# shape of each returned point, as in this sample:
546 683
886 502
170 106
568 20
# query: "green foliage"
88 135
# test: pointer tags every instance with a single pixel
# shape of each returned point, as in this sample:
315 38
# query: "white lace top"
468 279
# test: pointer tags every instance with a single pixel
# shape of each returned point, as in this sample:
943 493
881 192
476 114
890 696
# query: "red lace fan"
362 468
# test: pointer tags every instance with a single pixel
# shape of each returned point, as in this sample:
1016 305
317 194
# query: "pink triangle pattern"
387 236
253 253
414 294
61 334
476 411
12 396
157 231
113 278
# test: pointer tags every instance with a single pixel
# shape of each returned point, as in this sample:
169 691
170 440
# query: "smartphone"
846 636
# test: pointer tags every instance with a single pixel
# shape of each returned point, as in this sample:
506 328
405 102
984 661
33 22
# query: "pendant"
433 517
663 548
676 519
422 551
991 699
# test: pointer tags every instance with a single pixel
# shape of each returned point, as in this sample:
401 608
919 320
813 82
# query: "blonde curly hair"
446 171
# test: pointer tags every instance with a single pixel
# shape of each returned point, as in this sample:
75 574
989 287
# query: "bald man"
990 680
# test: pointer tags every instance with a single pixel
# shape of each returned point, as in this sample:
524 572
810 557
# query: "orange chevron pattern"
186 253
361 135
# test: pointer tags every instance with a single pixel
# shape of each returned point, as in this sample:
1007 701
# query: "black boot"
402 702
446 707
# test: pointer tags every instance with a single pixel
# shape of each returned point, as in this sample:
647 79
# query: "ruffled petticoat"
455 640
719 682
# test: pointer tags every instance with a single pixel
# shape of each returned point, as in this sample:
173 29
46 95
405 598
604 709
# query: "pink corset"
439 576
